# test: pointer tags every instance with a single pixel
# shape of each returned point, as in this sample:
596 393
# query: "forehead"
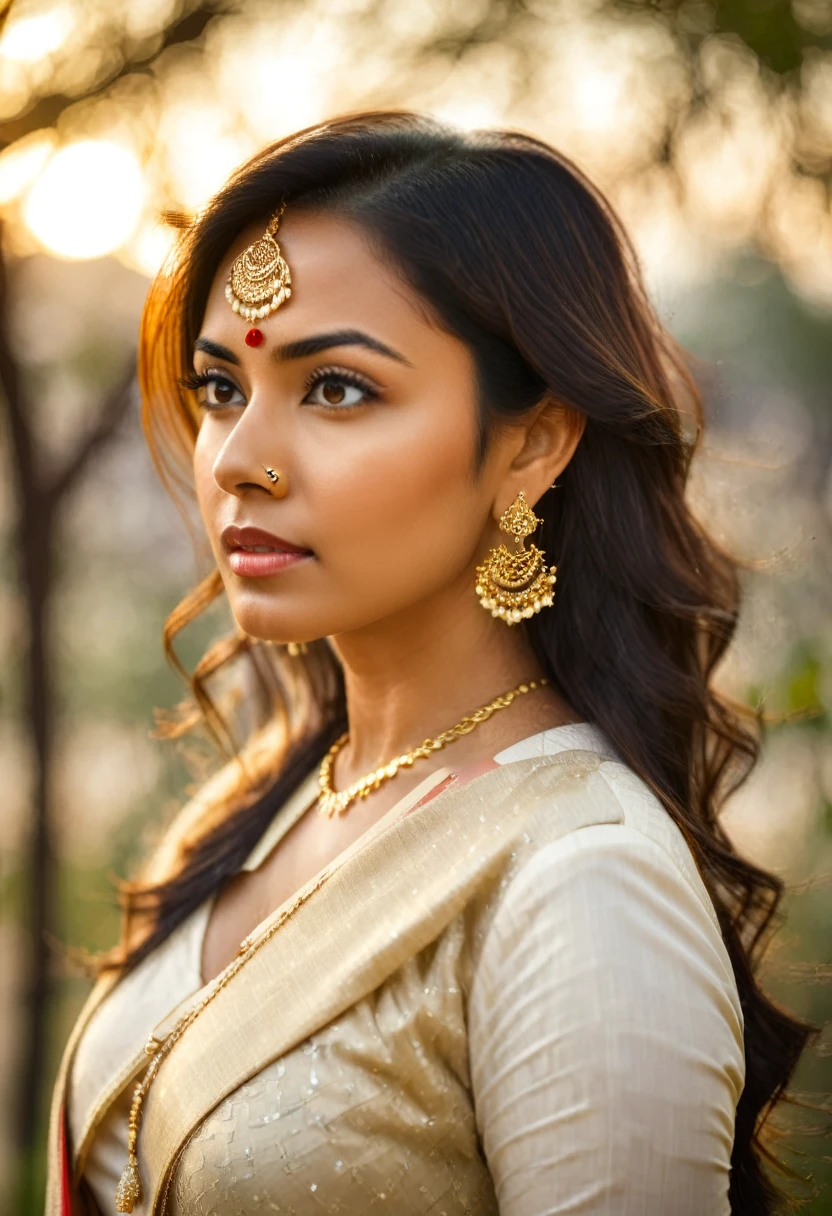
338 279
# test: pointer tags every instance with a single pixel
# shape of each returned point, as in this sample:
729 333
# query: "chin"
278 616
260 616
273 628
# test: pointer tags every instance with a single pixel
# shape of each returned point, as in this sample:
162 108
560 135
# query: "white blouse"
605 1029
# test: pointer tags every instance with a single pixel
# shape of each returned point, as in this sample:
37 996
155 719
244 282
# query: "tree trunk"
42 887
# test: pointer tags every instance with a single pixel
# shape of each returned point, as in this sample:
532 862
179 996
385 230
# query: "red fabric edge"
66 1188
461 778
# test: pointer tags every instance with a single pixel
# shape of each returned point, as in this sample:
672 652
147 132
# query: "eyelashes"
337 376
200 380
196 380
193 380
343 378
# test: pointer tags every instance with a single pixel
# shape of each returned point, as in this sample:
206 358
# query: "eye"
215 391
339 388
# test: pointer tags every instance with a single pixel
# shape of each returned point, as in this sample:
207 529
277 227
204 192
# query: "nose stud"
279 487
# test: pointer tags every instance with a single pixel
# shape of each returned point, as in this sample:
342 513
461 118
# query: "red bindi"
254 337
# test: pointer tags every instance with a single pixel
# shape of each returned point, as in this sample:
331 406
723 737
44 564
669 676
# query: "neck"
417 673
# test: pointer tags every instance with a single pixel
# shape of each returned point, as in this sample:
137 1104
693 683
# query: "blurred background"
708 123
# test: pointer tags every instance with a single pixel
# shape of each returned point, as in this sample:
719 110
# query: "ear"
548 438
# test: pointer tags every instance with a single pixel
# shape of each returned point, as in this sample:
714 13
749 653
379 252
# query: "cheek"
402 505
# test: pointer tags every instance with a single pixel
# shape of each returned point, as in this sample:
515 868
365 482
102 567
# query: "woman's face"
367 412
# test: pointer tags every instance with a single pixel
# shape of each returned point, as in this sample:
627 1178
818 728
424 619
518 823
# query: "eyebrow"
304 347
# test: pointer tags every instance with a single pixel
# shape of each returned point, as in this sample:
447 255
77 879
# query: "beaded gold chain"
128 1191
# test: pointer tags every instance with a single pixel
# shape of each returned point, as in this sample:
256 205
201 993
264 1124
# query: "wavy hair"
515 252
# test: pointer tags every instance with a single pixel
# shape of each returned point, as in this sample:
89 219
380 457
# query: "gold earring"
516 585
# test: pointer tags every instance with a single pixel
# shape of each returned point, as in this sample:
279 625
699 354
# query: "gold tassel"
129 1188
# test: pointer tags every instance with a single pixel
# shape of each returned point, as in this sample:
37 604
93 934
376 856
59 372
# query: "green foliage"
779 32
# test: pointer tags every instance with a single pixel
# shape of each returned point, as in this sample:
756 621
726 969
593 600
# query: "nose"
242 462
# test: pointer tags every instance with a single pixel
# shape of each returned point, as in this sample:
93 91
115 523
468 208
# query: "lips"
250 539
255 553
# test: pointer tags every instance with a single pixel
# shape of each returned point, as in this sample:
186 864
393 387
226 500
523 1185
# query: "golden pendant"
129 1188
260 278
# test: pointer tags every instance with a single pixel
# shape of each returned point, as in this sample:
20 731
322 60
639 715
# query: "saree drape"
373 972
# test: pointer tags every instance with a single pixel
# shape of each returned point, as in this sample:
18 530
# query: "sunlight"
280 86
201 151
470 115
87 200
148 247
30 38
597 95
23 161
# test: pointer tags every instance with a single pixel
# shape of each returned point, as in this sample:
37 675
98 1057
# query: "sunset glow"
87 200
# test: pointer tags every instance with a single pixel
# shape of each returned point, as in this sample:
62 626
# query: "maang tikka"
516 585
259 279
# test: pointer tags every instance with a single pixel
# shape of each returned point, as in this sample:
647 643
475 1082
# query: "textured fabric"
168 979
605 1034
568 1040
373 1112
120 1026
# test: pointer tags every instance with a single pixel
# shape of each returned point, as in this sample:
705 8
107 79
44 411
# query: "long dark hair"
516 253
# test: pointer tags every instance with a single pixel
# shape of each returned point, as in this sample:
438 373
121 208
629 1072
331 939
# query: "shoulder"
588 812
605 1027
604 882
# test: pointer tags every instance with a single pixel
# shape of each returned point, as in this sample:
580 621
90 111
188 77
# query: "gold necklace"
128 1191
332 801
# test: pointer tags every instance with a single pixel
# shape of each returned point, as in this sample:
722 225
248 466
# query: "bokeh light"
23 160
29 38
87 201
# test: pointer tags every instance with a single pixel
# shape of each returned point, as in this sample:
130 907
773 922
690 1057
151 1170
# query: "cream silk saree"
359 1061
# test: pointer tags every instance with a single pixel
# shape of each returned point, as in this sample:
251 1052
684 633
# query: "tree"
38 500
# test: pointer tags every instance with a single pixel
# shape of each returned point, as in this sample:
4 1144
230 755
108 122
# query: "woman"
509 969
